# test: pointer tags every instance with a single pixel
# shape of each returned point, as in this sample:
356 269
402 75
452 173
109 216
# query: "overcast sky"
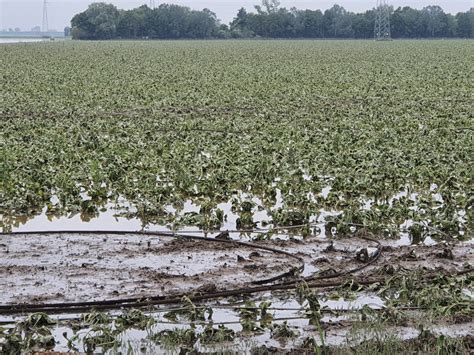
29 13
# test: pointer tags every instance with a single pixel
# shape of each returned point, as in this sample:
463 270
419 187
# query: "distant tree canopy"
105 21
336 22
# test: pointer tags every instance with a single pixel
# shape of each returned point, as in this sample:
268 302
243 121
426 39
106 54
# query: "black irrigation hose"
62 308
77 307
273 230
156 300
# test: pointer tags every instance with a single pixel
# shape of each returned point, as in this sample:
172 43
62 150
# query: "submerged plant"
440 295
172 338
33 333
218 334
134 319
283 331
254 319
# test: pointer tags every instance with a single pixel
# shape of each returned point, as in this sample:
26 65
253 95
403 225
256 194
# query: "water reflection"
22 40
123 216
111 218
104 221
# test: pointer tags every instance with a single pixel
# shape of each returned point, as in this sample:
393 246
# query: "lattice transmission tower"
45 27
152 4
382 21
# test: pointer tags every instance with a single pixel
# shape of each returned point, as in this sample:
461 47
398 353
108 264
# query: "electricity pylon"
45 16
382 21
152 4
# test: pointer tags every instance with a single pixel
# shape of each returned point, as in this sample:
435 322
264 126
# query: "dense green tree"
171 21
135 23
337 23
240 26
451 26
309 23
99 21
434 20
102 21
82 28
278 24
241 20
363 24
202 24
406 23
465 24
269 21
127 26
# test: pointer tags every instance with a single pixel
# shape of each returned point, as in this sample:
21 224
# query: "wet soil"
82 267
85 267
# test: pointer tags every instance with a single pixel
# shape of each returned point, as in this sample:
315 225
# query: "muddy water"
337 331
74 266
77 267
110 220
111 217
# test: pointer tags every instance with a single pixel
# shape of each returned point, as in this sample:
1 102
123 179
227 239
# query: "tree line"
269 20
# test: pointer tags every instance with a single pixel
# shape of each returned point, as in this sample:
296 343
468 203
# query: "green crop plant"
159 123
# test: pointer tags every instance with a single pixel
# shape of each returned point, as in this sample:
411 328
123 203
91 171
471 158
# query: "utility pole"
382 21
45 17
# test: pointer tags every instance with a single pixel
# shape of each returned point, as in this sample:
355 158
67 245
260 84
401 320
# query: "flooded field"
21 40
237 196
216 295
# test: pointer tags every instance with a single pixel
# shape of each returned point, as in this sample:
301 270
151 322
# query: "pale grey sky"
29 13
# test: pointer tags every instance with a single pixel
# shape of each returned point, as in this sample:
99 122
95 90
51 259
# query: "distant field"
160 123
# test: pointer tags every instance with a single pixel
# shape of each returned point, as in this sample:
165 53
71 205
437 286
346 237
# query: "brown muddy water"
73 267
68 267
83 267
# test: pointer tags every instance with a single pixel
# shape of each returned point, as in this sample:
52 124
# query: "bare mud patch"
84 267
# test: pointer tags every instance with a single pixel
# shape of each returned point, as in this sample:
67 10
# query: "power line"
45 17
382 21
